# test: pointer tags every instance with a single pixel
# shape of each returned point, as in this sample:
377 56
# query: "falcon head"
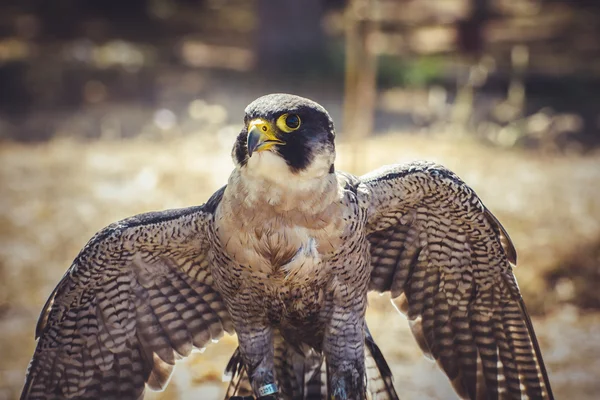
285 136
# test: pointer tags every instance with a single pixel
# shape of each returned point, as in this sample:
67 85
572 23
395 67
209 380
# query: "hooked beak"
261 136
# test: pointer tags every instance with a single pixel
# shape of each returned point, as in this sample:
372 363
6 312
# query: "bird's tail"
304 376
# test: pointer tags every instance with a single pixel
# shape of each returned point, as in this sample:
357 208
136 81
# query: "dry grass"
55 196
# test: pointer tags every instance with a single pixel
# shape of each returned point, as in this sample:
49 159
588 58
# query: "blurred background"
111 108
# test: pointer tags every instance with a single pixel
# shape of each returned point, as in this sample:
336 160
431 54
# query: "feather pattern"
447 262
138 297
303 375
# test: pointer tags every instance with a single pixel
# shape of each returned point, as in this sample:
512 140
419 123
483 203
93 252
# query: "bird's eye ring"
288 122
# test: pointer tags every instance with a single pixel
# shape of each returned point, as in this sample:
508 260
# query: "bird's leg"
256 347
345 355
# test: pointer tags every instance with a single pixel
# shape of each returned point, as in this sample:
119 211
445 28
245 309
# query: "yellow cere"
264 126
267 134
288 122
267 131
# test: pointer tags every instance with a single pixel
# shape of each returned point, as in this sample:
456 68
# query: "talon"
347 384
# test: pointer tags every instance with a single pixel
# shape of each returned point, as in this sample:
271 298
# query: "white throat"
267 178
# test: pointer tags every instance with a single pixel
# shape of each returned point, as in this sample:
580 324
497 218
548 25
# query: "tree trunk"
361 74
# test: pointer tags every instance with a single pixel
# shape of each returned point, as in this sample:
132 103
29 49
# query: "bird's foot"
347 383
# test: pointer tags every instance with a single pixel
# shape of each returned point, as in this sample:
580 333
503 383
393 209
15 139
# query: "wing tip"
383 368
537 350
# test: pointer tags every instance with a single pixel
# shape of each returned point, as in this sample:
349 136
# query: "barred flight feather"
127 309
447 262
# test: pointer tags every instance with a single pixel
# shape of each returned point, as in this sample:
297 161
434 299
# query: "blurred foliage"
421 72
72 67
575 278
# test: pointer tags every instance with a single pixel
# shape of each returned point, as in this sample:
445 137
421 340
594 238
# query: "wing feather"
380 385
446 260
138 297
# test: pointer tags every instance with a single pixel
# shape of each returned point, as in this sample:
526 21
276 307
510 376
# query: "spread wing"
447 262
138 297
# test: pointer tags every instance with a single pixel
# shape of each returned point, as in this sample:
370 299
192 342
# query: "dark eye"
288 122
292 121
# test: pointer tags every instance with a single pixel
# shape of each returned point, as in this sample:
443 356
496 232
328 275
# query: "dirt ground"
54 196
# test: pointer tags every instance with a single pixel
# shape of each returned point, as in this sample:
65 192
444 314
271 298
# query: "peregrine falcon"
284 256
